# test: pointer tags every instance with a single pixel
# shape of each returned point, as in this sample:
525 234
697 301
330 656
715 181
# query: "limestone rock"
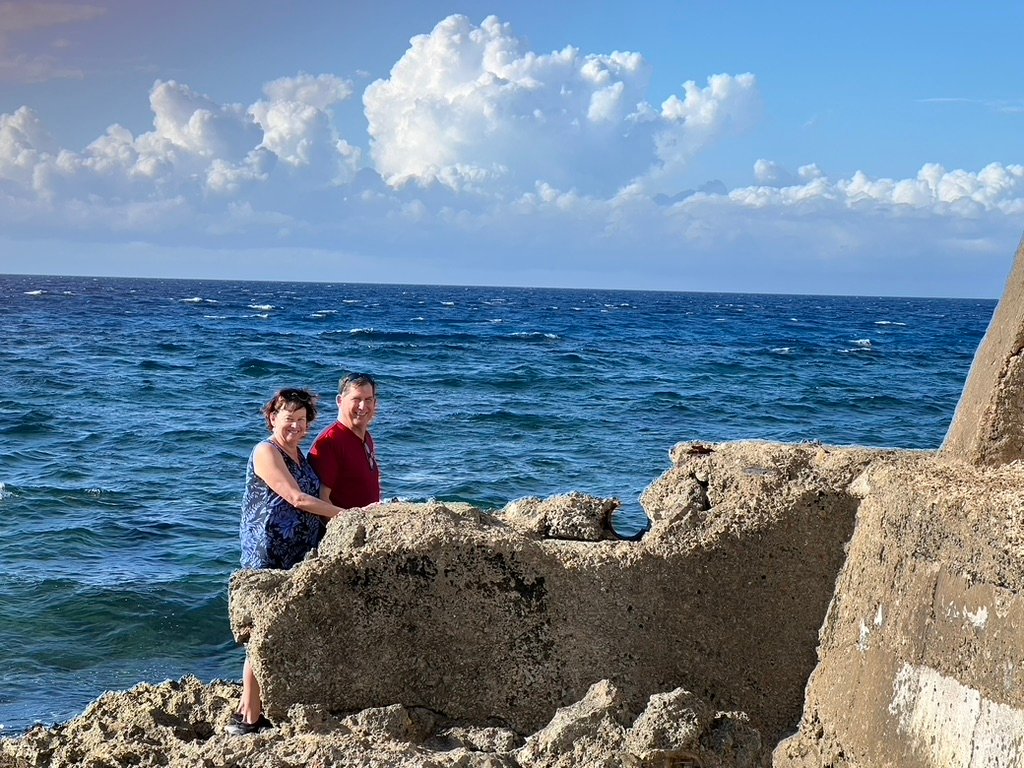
587 734
988 427
573 516
679 728
468 615
920 653
181 724
671 726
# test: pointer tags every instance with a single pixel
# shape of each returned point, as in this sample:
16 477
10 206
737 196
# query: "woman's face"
289 426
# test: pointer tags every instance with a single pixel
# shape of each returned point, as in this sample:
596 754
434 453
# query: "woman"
284 514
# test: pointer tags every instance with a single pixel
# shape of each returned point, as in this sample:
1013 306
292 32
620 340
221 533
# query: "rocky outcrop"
920 656
180 725
486 619
921 652
988 427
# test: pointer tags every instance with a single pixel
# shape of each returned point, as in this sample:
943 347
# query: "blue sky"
858 148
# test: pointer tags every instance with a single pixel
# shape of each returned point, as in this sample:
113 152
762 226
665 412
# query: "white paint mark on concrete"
952 725
862 642
978 617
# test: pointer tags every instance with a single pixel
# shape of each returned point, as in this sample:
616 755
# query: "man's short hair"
356 380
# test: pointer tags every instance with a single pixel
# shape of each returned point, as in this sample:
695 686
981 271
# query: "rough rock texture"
988 428
180 725
488 622
921 653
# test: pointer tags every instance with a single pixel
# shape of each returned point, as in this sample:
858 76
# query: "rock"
671 725
574 516
920 652
477 618
988 426
478 739
678 728
589 733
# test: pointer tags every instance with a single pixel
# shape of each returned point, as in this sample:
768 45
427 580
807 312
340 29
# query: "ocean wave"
198 300
157 365
503 416
888 322
172 346
37 292
28 427
262 307
863 343
535 336
403 336
255 366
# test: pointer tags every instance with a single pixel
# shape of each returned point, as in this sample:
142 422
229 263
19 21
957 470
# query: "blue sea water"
128 409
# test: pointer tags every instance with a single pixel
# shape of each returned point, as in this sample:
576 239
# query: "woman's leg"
251 707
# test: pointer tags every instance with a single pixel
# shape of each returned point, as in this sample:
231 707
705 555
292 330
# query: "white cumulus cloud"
467 107
480 149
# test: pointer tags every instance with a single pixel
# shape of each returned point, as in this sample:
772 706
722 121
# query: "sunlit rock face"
921 652
988 427
920 657
489 618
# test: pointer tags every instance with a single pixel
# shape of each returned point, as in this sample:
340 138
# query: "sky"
870 148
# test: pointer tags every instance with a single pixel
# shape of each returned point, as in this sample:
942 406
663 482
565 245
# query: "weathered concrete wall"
922 654
988 427
479 617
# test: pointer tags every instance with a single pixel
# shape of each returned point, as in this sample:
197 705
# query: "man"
343 455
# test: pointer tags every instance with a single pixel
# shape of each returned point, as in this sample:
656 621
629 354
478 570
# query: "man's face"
357 408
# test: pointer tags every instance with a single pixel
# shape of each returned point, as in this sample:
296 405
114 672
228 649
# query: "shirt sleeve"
324 462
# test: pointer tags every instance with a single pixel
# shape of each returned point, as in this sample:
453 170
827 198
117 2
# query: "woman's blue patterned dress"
274 533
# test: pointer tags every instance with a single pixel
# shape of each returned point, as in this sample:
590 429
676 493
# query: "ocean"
128 409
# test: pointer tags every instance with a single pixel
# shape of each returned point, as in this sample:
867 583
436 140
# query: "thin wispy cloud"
21 65
1004 106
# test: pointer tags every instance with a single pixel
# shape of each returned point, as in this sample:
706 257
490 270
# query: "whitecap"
419 319
34 293
447 303
193 300
262 307
351 301
534 335
863 343
782 350
888 322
